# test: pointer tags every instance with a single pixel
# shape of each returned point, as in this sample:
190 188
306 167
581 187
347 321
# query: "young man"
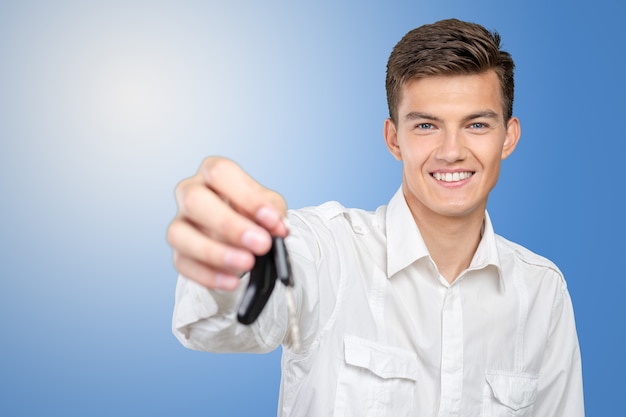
418 308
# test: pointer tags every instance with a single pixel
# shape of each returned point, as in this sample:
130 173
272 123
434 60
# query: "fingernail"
226 282
237 260
255 240
267 216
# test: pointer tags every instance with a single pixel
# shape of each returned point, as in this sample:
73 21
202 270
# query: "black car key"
267 269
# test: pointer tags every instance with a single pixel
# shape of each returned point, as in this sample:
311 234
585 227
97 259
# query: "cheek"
496 160
414 155
413 164
490 156
492 169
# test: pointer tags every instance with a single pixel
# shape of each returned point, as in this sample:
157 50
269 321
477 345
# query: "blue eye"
478 125
424 126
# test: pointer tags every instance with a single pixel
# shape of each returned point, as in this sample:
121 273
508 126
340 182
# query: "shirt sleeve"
560 391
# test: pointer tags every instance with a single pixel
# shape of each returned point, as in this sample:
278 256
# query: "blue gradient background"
105 106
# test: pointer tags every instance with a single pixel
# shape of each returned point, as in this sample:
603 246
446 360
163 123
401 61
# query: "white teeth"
451 177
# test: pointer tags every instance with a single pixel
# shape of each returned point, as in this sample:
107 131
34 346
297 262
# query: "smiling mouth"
452 176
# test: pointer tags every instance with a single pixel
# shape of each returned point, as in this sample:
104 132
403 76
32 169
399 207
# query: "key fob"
267 269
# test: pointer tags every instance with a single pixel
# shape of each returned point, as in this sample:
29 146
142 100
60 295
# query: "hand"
224 218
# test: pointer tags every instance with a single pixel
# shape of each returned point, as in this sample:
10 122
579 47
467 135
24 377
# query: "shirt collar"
404 241
405 244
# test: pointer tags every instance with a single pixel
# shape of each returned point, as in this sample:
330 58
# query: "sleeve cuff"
195 303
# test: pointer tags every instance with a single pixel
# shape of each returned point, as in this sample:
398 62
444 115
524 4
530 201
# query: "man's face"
451 136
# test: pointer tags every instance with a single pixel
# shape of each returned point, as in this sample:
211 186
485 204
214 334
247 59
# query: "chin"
459 211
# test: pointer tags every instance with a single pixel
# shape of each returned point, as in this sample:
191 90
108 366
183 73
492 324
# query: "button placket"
451 353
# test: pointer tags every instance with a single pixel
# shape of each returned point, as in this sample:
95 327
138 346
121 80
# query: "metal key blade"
294 328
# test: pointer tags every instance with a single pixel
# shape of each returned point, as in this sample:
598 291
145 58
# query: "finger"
209 213
230 182
202 274
191 243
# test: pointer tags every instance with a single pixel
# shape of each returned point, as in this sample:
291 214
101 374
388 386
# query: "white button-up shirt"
384 334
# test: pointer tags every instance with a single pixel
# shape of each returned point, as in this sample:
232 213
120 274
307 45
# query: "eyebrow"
415 115
485 114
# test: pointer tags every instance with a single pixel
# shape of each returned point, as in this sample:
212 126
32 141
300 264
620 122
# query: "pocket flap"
384 361
514 390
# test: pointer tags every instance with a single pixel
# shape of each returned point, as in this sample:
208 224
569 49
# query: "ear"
513 133
391 139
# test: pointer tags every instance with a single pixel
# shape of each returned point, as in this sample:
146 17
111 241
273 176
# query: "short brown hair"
448 47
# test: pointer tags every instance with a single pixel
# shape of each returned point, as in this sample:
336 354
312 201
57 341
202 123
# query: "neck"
451 241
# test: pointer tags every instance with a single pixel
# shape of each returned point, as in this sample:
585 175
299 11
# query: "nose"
452 147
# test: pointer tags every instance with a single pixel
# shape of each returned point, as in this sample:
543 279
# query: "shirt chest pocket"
509 394
375 380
